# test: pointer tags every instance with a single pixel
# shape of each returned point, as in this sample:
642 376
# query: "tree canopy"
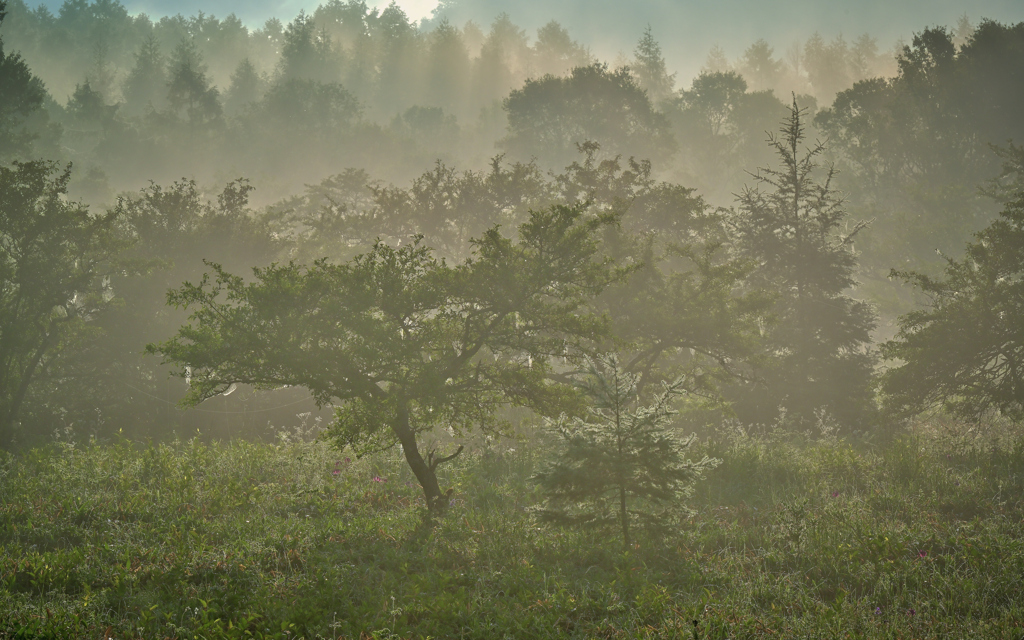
965 350
401 341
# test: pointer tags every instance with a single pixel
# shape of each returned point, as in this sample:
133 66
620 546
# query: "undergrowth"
920 537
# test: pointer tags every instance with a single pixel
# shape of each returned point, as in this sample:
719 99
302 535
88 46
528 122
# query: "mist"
485 319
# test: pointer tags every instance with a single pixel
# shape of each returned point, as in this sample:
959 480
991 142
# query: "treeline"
746 285
131 99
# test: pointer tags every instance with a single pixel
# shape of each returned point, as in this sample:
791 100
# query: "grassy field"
920 537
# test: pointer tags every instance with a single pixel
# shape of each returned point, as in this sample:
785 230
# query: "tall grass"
920 537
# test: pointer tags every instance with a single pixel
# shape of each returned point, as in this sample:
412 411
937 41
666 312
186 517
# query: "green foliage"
720 126
290 540
796 231
400 341
965 351
21 98
623 463
55 260
649 67
145 87
189 91
549 117
914 148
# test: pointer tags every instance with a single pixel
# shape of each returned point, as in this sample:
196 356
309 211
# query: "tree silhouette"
792 224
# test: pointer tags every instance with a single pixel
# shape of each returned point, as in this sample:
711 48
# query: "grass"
921 537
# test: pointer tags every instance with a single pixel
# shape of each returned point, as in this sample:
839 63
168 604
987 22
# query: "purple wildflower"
878 611
922 554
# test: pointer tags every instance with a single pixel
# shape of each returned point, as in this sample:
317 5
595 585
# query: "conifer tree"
622 464
246 87
188 87
146 84
649 68
793 225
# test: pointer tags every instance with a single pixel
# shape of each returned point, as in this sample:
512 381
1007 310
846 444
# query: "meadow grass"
919 537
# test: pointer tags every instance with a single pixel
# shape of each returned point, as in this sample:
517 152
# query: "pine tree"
623 464
649 68
146 84
759 67
188 87
246 87
793 225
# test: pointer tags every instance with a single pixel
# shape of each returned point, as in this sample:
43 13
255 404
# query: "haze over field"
521 320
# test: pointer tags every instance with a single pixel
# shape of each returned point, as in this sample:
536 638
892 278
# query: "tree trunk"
624 515
423 471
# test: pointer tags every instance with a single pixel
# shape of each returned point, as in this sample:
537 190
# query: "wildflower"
922 554
336 472
878 611
379 479
835 494
348 460
911 612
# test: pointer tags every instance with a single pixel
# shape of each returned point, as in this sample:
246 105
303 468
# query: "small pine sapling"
622 464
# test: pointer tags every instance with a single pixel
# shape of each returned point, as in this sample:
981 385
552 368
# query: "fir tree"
189 89
145 86
649 68
624 463
793 225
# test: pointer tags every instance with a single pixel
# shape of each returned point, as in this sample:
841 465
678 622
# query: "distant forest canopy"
350 124
380 93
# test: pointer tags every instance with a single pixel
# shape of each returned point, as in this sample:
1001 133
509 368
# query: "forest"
353 326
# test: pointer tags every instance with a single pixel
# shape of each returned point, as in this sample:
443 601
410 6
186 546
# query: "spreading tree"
401 342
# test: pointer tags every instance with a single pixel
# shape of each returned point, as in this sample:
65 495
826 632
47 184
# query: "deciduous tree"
400 341
965 351
54 256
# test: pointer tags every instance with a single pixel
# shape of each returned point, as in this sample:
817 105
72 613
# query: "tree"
721 126
21 97
682 312
189 89
246 87
623 462
54 257
447 69
556 53
965 351
795 230
307 54
649 68
759 67
107 381
550 116
914 147
502 61
146 84
400 341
